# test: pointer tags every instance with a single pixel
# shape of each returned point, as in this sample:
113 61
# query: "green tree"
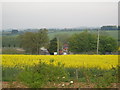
41 39
63 39
107 44
87 42
33 41
10 41
83 42
53 46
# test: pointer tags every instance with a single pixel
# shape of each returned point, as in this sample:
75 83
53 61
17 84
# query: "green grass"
53 34
10 74
39 75
102 78
111 33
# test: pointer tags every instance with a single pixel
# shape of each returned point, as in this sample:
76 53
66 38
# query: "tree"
41 39
83 42
53 46
10 40
107 44
33 41
87 42
109 28
63 39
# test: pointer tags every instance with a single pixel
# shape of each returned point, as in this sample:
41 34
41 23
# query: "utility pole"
98 42
58 45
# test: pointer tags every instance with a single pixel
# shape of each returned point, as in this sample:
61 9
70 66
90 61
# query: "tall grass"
39 75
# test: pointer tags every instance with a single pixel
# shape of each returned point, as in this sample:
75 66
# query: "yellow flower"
75 61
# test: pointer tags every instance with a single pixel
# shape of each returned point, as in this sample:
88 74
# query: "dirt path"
56 85
13 85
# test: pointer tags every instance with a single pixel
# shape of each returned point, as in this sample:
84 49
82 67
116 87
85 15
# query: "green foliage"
107 44
10 41
101 78
42 73
53 45
33 41
63 39
10 74
87 42
83 42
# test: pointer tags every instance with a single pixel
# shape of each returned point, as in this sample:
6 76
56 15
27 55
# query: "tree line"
83 42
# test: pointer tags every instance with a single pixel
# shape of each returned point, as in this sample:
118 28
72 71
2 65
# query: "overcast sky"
22 15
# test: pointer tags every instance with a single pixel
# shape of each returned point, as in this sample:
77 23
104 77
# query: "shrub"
10 74
42 73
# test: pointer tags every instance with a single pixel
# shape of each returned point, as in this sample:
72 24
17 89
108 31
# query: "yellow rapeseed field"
76 61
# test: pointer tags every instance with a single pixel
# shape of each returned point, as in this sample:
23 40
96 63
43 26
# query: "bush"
10 74
102 78
42 73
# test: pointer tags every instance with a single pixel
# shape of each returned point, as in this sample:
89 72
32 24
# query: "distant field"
111 33
53 34
114 34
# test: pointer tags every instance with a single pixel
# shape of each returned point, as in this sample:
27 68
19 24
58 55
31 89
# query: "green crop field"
111 33
54 34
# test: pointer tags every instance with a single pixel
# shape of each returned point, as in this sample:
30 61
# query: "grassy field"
111 33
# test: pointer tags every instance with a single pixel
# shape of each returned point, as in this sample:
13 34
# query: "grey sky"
59 14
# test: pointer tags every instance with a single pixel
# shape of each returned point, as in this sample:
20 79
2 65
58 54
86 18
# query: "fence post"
76 73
